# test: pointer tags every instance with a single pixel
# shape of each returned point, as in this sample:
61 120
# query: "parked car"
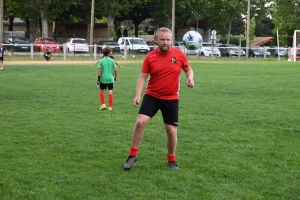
298 53
113 45
178 45
77 45
18 44
259 51
133 44
251 53
274 51
190 52
44 44
152 45
230 50
205 50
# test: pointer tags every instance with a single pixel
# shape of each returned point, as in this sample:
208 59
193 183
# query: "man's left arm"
116 73
190 76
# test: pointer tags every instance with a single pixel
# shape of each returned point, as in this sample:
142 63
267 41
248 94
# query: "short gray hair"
162 29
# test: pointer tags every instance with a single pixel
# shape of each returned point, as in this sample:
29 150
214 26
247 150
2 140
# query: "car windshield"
178 44
230 45
47 40
282 49
137 41
21 40
79 41
112 43
255 49
206 45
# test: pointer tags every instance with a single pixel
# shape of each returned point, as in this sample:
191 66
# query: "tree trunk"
32 29
136 30
88 32
206 35
27 33
44 21
229 29
11 22
110 26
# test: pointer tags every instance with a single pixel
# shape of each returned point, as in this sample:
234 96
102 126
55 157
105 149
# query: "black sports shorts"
104 86
168 108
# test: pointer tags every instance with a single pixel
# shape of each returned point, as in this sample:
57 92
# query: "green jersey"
107 65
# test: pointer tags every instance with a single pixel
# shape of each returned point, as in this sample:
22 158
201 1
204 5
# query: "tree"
285 16
33 10
264 27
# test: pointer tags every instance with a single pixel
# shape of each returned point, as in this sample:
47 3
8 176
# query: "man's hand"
136 101
190 83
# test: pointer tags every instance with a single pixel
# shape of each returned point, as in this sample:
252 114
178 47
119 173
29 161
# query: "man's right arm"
139 88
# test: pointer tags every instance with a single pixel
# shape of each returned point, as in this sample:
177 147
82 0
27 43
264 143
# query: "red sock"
111 100
171 158
102 98
133 151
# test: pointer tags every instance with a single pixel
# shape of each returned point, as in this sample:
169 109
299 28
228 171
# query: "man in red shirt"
164 66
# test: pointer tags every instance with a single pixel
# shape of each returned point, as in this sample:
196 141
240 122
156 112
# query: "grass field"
238 134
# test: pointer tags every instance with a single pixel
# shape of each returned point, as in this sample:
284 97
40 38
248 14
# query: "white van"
133 43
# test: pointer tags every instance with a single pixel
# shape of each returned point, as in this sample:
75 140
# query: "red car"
298 53
44 44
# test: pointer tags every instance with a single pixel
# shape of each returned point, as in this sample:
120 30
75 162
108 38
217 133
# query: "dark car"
251 53
259 51
230 50
18 44
275 51
152 45
113 45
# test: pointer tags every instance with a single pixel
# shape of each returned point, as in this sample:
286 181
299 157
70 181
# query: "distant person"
103 47
2 50
48 56
112 57
107 74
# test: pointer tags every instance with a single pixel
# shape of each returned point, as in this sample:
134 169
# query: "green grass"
238 134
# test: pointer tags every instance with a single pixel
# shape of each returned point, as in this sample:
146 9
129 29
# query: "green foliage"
233 40
211 14
252 29
286 18
102 20
238 136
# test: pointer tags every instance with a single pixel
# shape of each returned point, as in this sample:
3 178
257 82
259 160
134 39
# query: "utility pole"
1 20
92 27
248 30
173 22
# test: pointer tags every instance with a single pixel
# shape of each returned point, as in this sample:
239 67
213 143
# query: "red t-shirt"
164 70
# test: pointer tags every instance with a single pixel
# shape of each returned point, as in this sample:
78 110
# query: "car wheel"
202 54
227 54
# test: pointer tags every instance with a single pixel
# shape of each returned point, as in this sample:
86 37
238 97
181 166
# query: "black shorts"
168 108
104 86
1 58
